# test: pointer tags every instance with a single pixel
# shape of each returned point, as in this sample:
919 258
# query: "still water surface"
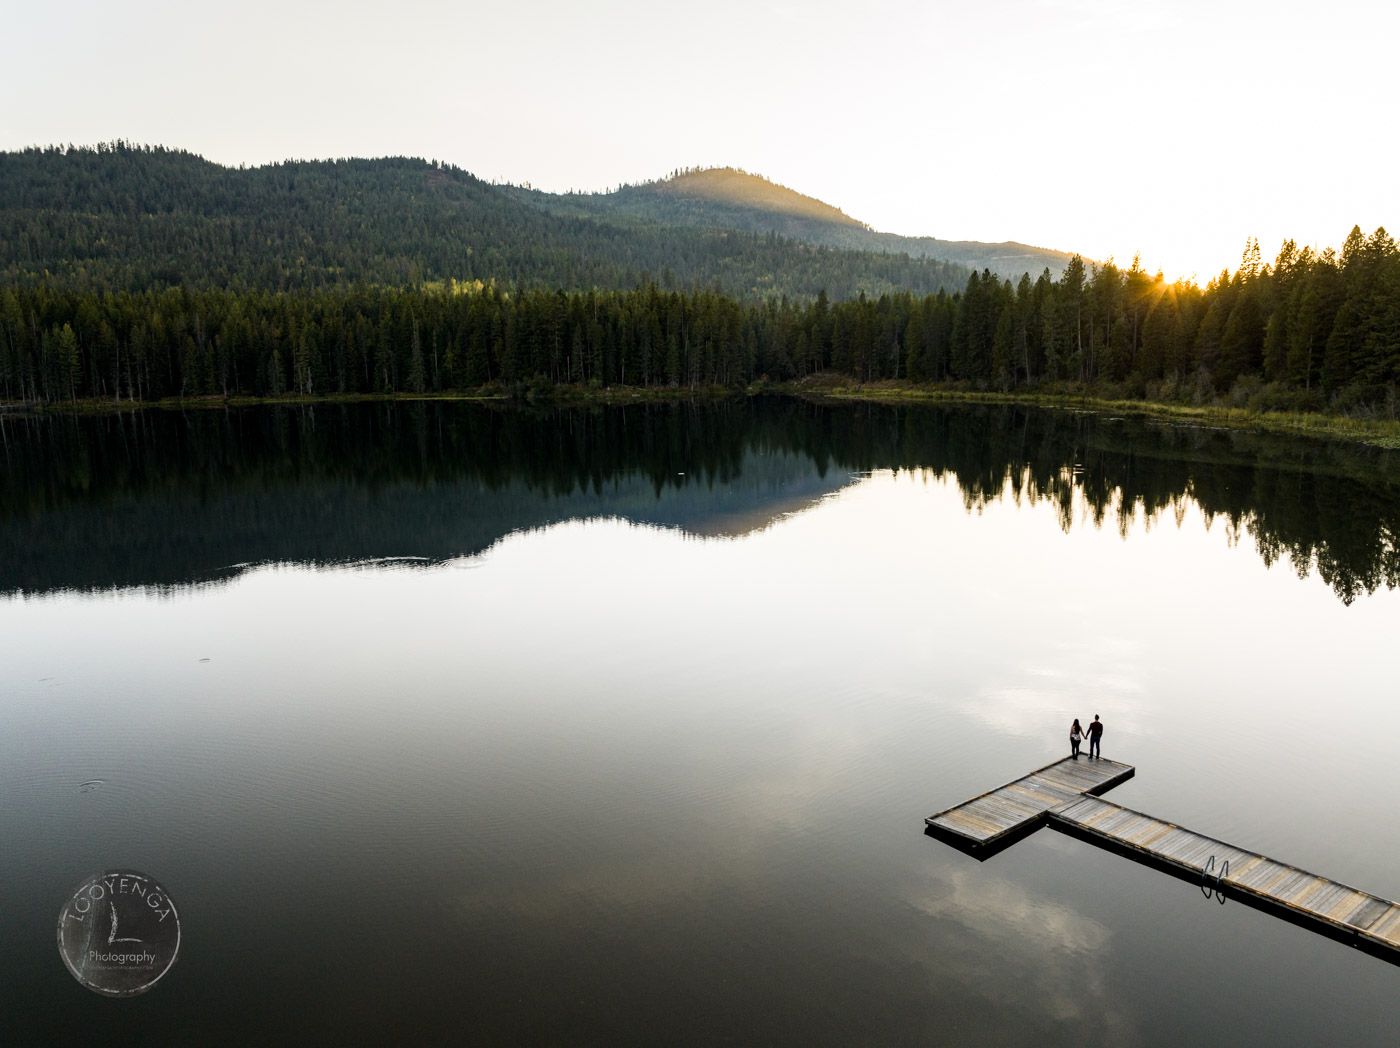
451 723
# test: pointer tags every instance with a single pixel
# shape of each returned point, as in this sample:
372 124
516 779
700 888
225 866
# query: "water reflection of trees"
1323 506
163 497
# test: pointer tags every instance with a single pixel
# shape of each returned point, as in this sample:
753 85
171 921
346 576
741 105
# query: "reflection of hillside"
169 499
170 540
221 496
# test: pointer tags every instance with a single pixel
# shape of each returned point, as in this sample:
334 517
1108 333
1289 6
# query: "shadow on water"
168 499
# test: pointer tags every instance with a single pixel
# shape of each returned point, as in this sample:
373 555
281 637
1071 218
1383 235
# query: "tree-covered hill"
133 218
727 198
174 277
1310 332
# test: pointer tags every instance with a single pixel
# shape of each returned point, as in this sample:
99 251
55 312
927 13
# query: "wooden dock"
1313 898
1064 795
1022 804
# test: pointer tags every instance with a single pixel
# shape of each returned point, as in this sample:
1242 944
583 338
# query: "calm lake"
452 723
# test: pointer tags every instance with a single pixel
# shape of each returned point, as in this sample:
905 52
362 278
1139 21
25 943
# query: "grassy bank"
1380 432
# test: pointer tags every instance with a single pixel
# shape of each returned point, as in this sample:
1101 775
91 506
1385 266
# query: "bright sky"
1105 126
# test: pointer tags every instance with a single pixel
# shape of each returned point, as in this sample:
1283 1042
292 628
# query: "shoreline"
564 395
1382 433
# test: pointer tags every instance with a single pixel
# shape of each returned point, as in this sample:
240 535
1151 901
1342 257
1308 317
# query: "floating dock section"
1023 803
1064 796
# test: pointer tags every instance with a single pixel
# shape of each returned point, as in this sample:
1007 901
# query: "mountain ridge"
126 217
732 198
734 185
139 218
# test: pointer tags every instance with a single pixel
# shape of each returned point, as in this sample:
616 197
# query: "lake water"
450 723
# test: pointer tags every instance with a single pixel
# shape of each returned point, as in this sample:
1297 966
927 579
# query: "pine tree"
417 374
276 378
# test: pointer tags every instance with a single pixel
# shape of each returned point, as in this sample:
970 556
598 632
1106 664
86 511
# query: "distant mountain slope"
128 217
731 192
728 198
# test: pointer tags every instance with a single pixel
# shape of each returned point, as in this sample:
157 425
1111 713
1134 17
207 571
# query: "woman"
1076 734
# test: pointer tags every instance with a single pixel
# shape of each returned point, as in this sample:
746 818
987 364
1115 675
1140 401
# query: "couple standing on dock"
1076 734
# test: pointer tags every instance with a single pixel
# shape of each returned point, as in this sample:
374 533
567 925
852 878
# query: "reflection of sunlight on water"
1039 706
998 909
560 894
824 753
1050 959
1027 712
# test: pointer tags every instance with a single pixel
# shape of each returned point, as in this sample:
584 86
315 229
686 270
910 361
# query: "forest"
120 217
1308 331
136 273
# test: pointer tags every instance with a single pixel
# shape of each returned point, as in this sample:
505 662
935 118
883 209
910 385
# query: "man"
1095 732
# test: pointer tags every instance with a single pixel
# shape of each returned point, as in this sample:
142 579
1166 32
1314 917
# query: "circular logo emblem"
119 933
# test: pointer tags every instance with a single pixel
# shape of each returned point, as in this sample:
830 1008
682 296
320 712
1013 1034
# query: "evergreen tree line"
1311 330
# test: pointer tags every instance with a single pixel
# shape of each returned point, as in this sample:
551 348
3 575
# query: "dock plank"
1302 893
1386 928
1024 802
1366 912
